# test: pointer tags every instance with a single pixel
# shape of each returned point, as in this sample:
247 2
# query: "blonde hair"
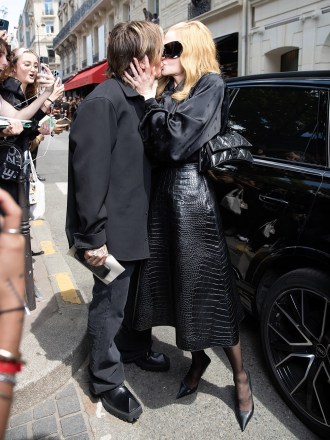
16 54
199 56
133 39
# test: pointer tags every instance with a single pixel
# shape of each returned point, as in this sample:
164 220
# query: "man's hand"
96 257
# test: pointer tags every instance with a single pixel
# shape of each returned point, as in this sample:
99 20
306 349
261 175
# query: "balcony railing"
95 58
198 7
76 17
73 67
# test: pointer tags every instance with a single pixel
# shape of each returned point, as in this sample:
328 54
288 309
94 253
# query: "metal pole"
23 198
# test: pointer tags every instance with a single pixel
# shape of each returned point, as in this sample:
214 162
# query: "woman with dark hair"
188 282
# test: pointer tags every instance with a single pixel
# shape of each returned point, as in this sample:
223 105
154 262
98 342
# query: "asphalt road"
205 415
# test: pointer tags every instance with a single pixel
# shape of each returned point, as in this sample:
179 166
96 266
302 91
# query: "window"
282 122
49 27
51 54
49 10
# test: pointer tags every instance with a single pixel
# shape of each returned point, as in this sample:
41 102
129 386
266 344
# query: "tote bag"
36 194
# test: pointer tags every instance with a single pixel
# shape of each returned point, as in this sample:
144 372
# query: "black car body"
280 242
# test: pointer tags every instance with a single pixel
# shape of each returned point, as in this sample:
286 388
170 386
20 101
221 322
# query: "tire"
295 331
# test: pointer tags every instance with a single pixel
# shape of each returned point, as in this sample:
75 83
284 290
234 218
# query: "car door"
283 125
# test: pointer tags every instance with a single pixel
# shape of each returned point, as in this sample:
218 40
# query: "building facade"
252 36
37 27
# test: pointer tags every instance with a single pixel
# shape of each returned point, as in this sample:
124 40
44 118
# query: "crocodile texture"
225 149
188 281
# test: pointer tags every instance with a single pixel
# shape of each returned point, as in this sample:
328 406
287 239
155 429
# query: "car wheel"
295 329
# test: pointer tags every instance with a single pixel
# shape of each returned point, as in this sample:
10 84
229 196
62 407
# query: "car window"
282 122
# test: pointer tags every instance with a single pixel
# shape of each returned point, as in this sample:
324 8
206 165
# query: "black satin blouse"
173 131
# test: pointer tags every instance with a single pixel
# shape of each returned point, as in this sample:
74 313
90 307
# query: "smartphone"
43 71
4 25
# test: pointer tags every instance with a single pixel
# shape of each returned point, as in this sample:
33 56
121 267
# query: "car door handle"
273 200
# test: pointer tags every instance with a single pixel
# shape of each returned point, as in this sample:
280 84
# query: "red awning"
94 75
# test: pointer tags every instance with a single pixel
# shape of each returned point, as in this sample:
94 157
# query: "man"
108 201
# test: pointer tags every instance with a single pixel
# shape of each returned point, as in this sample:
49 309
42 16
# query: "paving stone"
43 427
45 409
68 405
20 419
69 390
19 433
81 436
52 437
73 425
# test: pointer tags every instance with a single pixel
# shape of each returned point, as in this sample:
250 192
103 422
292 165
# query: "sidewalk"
52 400
54 347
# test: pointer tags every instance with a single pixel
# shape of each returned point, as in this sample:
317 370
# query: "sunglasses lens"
172 49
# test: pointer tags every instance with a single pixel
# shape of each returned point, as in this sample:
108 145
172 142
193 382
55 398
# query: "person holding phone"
19 86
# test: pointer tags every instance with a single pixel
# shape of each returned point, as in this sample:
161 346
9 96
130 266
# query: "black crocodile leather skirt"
188 281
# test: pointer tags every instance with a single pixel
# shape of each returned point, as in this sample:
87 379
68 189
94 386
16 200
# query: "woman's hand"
57 91
44 129
46 79
13 129
144 80
4 36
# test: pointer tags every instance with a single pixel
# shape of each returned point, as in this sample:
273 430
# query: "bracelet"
14 309
6 396
48 99
10 367
8 378
9 357
11 230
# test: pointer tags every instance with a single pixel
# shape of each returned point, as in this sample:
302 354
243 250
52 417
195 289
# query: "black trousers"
110 334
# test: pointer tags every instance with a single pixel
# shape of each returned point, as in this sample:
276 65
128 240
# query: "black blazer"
109 174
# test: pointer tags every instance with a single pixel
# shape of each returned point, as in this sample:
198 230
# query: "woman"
19 87
188 281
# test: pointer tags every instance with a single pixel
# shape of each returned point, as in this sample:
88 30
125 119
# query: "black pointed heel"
185 390
243 417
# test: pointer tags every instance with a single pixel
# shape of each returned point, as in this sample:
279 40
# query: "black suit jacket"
109 174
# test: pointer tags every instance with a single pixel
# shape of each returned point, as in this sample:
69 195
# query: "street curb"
54 342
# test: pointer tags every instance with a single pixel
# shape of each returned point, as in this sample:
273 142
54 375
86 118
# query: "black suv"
279 238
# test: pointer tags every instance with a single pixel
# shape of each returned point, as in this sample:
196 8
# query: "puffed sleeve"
174 134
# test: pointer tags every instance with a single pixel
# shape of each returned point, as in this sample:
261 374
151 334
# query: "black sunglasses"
172 50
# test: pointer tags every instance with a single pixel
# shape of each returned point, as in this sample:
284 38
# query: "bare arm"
47 82
11 294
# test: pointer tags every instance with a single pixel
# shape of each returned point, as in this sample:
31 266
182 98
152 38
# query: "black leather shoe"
185 390
153 361
243 417
121 403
